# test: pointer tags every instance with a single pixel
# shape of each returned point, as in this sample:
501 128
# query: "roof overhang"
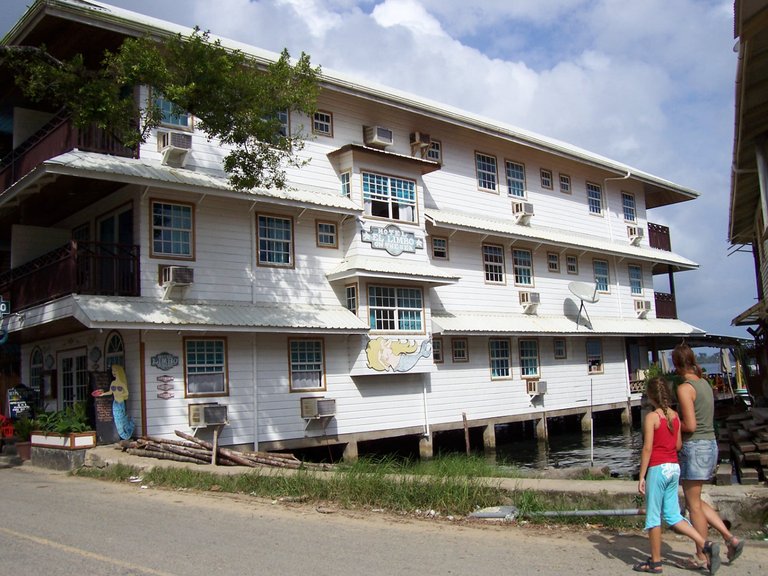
751 316
391 269
359 151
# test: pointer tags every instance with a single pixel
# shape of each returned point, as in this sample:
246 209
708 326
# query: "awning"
152 314
751 315
392 269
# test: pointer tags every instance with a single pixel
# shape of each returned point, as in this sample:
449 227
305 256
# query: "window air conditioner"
178 275
529 301
207 415
522 211
636 234
378 136
174 146
317 407
642 307
420 140
536 387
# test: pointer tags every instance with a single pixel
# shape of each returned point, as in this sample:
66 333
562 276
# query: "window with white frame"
307 368
322 123
594 355
493 263
114 350
594 198
172 229
546 178
437 350
559 348
529 358
275 236
170 114
500 358
435 151
553 262
282 117
523 264
346 184
600 268
565 184
439 248
635 279
350 297
628 204
459 349
326 235
205 367
515 179
486 171
36 370
394 308
389 197
572 264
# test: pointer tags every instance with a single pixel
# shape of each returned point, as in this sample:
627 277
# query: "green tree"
235 99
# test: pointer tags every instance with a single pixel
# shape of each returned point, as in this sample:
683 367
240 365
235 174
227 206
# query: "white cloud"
407 13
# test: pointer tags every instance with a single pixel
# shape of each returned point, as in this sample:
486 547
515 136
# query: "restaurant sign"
392 239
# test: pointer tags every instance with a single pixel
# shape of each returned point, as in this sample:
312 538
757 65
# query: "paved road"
53 524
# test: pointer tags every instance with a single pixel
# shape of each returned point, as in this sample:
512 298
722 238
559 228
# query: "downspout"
426 432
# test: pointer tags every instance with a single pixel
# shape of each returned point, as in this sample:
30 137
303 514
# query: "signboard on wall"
392 239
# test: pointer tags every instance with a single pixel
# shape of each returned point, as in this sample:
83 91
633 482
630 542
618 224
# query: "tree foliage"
233 99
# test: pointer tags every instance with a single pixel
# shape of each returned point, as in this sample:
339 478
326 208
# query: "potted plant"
22 430
68 429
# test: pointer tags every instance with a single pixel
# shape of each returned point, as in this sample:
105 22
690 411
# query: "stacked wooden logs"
198 451
749 441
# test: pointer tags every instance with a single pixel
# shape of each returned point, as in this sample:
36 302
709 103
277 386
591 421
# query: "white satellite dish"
585 292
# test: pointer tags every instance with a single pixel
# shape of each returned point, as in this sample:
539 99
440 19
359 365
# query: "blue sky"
649 84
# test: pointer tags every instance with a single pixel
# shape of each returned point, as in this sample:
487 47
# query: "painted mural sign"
390 355
392 239
164 361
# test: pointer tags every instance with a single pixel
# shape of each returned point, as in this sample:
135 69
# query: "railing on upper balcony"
666 307
658 237
76 268
57 136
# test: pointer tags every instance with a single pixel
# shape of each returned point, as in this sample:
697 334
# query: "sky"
649 84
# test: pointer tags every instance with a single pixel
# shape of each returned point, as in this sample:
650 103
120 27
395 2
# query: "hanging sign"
392 239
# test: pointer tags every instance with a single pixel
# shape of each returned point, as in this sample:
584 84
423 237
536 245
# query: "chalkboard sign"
17 403
106 433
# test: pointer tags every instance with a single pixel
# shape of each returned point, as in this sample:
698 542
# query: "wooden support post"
215 444
466 432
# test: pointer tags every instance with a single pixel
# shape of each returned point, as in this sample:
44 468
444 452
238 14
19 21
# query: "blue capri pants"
661 499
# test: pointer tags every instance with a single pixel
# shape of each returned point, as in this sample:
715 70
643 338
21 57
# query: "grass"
447 486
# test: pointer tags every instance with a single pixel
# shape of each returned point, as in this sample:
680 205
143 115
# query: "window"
437 350
73 377
439 248
170 114
350 294
565 184
326 235
306 370
322 123
435 151
282 117
594 198
594 356
560 349
515 179
275 235
600 268
571 264
500 357
493 263
553 262
114 351
529 358
36 371
172 227
523 264
635 279
393 308
460 349
486 171
346 184
387 197
205 366
628 204
546 178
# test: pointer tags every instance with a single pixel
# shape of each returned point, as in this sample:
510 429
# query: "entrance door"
73 377
115 252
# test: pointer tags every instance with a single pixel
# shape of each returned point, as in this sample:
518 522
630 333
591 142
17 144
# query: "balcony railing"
658 237
76 268
56 137
666 307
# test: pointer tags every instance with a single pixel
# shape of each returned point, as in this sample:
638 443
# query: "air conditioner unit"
642 307
636 234
207 415
174 146
317 407
178 275
529 301
536 387
522 211
378 136
420 140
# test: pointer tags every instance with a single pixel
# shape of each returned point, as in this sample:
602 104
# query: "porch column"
426 448
489 438
350 452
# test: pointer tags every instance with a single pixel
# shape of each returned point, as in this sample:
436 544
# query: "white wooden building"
418 271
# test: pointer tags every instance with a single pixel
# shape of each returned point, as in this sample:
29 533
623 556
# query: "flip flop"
734 550
712 552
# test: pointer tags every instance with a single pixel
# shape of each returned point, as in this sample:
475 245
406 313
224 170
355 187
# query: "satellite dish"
585 292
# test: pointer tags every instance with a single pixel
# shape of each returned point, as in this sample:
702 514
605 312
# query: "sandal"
712 552
734 550
648 566
693 563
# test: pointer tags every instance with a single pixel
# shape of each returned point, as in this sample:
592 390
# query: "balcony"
56 137
666 307
658 237
76 268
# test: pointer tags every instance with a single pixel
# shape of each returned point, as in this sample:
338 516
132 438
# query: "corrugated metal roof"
130 170
375 267
484 225
142 313
491 323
